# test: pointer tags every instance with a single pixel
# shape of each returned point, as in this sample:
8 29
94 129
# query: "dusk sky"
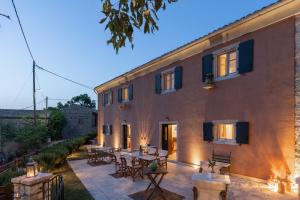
66 38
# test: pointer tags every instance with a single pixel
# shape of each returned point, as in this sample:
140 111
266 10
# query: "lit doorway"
126 130
169 139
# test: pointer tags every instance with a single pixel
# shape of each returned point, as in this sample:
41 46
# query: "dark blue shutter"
208 131
242 132
120 95
112 97
158 83
103 99
110 129
178 77
130 92
104 129
207 66
246 56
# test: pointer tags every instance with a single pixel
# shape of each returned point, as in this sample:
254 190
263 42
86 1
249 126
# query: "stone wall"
80 120
297 96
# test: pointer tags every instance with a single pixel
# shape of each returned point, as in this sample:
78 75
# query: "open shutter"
246 56
110 130
178 77
111 99
208 131
120 95
104 129
158 83
242 132
207 66
103 99
130 91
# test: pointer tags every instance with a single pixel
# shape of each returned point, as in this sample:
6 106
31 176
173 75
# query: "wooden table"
155 177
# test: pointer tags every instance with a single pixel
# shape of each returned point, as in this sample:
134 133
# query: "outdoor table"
155 178
210 185
217 167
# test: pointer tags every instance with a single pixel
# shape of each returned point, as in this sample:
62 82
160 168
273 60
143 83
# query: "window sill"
225 142
226 77
125 101
168 91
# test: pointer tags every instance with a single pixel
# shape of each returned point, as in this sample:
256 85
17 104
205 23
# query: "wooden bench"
223 158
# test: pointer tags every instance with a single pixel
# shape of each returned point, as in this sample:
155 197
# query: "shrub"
55 155
5 178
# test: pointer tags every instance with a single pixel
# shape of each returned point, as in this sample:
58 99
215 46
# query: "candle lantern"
31 168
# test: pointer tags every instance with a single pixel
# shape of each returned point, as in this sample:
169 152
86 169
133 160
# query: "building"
81 120
236 89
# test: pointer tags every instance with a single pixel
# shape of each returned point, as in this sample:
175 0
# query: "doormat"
116 175
142 195
98 163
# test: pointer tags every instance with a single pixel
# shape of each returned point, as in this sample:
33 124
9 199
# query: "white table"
209 185
204 165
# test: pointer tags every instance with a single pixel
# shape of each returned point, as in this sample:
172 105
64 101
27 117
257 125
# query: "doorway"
126 130
169 139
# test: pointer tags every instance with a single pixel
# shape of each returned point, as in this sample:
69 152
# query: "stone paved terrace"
104 187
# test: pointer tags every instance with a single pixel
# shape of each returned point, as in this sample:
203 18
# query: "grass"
74 189
79 154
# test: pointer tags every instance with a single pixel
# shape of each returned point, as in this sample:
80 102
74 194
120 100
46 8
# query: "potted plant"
209 82
211 164
153 166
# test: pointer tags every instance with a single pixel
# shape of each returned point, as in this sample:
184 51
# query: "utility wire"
22 29
7 16
58 99
32 105
67 79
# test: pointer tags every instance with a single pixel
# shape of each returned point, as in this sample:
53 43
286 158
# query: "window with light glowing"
226 62
225 132
125 94
168 81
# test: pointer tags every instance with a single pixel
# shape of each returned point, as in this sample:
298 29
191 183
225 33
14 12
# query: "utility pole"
34 102
46 110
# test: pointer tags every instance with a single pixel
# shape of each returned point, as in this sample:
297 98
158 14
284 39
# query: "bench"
222 158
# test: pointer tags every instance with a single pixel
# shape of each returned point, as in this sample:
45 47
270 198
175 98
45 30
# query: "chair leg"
195 192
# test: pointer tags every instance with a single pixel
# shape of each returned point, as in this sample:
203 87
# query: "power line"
32 105
67 79
58 99
22 29
7 16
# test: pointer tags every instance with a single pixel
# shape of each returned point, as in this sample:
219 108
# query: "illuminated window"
168 80
125 94
226 63
225 132
107 98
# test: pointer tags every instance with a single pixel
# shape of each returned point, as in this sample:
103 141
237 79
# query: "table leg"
150 178
156 186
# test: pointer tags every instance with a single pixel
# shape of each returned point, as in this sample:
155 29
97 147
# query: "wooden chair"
124 168
224 158
152 151
92 154
135 168
162 158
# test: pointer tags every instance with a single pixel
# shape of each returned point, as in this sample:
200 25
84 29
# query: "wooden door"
125 136
164 137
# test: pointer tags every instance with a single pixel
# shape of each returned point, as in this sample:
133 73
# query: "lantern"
31 168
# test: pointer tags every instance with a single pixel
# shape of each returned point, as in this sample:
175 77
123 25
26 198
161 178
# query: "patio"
102 186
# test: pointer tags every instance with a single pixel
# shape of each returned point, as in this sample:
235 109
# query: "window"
226 63
107 98
225 132
168 81
125 94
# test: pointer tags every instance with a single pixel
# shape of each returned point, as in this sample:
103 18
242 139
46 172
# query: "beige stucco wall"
264 98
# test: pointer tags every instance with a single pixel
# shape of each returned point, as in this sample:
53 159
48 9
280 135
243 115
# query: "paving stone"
102 186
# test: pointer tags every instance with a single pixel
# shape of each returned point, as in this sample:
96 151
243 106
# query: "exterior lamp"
209 82
31 168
